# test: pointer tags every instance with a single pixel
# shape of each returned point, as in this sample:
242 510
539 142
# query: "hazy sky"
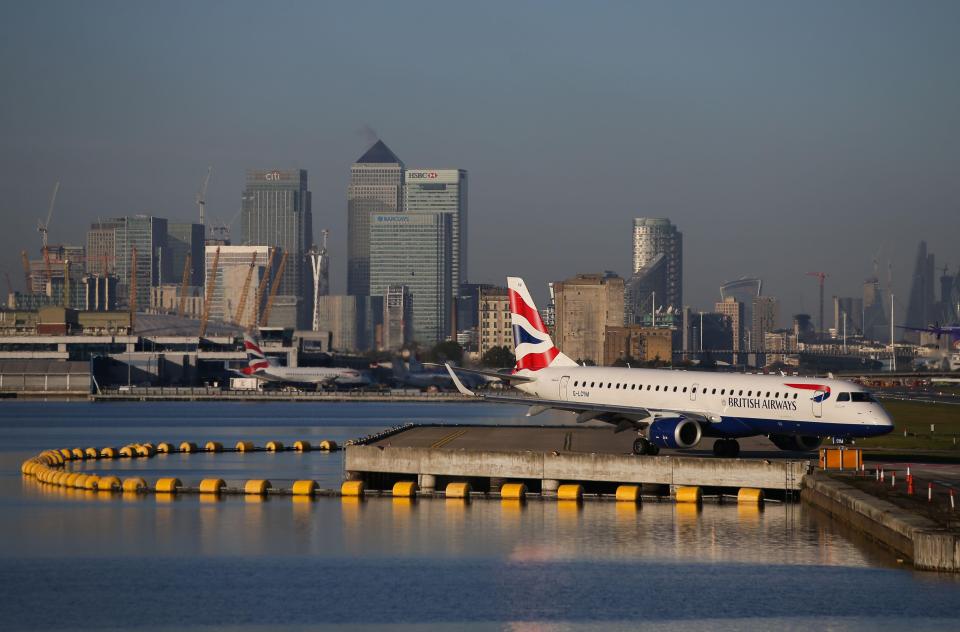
780 137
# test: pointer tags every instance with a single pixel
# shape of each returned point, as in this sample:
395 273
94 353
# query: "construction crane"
273 289
245 291
202 201
820 278
261 288
42 227
133 288
26 272
183 286
47 267
211 288
66 283
9 284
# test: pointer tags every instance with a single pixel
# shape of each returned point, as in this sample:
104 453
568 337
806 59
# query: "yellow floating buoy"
327 445
212 485
188 447
146 450
628 493
80 482
352 488
92 453
458 490
302 446
108 453
128 451
274 446
92 482
244 446
164 448
135 484
66 454
167 485
108 483
688 495
304 488
78 454
213 446
405 489
513 491
750 495
570 492
256 487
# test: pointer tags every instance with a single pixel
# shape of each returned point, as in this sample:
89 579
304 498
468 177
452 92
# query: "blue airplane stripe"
521 335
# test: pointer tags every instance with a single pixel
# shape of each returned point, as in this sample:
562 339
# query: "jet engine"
675 432
796 443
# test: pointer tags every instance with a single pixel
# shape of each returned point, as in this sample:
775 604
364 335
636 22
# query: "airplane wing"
623 417
506 377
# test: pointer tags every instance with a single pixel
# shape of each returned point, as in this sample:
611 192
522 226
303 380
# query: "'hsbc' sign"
433 176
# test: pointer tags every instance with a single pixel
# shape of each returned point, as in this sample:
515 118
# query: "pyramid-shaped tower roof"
379 153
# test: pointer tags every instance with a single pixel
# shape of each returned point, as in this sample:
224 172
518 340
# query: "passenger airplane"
676 409
267 369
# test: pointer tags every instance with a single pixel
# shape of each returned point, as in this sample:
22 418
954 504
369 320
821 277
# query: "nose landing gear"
726 448
642 446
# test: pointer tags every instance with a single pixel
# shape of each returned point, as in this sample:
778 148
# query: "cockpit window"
862 397
843 397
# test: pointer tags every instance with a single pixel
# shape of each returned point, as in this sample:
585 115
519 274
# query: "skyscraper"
376 184
733 309
921 310
653 237
233 266
414 249
585 306
101 258
766 315
148 235
185 238
277 212
442 191
397 318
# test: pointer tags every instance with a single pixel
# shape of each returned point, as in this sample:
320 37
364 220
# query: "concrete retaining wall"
616 468
915 537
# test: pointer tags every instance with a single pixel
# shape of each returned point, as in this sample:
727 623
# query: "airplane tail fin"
533 346
256 360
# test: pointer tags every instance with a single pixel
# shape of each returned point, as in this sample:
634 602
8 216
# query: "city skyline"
767 159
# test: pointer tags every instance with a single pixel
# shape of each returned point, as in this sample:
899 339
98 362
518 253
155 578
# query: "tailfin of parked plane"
256 360
533 346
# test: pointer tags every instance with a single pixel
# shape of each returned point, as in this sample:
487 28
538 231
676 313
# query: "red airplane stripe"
535 361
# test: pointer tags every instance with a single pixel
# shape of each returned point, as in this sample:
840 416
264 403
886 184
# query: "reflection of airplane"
417 375
267 369
675 409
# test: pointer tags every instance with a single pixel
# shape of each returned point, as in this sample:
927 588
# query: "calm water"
69 560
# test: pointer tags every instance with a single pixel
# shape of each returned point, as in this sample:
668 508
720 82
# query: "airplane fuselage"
733 405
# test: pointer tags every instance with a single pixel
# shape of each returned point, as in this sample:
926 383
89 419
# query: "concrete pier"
925 543
547 457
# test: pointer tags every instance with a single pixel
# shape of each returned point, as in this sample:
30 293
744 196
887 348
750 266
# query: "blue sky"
780 137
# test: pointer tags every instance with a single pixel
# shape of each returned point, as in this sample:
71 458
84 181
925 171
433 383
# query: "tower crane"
820 278
211 288
183 286
261 288
274 287
26 272
202 200
246 290
43 226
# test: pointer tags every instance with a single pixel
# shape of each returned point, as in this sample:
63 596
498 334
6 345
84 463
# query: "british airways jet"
266 369
676 409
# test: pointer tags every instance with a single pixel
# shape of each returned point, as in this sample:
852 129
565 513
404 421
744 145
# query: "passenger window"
694 390
684 389
608 384
776 395
713 392
674 389
794 395
574 382
648 387
749 393
723 391
741 391
633 387
658 387
843 397
591 384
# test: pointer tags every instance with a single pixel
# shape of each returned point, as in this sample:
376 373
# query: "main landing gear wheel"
726 448
642 445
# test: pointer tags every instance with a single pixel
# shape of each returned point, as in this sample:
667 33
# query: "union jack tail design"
532 344
256 360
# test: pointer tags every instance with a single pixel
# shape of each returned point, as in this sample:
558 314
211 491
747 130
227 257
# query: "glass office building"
277 212
415 250
442 191
376 183
148 235
186 238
